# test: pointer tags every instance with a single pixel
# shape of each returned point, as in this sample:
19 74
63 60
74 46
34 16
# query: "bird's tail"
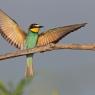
29 66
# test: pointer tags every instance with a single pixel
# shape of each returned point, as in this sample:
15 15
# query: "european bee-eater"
32 37
12 32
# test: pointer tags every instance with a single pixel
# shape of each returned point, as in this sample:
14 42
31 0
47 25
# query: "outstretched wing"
54 35
11 31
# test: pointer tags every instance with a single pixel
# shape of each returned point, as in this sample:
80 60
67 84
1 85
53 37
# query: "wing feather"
11 31
55 34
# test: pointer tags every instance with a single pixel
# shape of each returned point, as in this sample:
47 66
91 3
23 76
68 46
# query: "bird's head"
35 27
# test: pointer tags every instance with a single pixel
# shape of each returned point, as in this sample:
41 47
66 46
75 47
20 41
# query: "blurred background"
66 72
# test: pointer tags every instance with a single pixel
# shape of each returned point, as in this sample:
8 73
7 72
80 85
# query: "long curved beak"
41 26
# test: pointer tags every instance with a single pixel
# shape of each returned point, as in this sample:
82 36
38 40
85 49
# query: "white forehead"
36 24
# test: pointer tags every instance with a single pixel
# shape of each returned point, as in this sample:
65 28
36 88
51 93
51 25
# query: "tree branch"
49 47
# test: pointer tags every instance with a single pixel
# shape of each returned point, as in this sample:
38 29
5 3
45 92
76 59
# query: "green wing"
54 35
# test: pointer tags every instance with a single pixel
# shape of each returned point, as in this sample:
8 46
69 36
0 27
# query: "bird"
11 31
32 37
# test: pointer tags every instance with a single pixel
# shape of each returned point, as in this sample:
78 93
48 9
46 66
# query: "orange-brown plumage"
12 32
54 35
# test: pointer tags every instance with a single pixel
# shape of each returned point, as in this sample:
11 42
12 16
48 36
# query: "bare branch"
49 47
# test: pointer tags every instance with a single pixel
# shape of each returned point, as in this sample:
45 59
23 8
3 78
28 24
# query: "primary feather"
54 35
12 32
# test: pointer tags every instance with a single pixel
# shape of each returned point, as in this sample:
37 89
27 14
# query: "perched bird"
13 33
30 42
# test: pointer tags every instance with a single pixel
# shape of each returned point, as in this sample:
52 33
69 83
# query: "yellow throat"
35 29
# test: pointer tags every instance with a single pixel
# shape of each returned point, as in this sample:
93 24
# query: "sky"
70 72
